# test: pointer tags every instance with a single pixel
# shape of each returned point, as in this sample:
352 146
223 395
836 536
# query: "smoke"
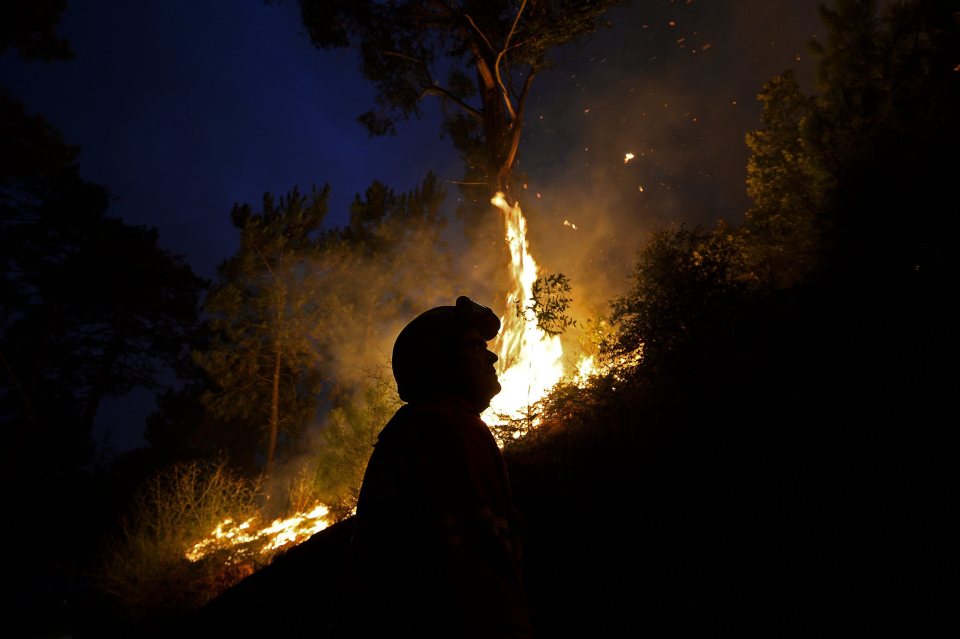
369 285
673 83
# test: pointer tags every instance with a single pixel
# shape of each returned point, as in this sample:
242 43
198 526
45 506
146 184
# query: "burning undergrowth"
145 569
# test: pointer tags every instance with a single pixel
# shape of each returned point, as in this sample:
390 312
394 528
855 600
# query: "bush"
144 569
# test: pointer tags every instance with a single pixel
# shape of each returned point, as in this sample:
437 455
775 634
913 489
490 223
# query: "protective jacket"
436 548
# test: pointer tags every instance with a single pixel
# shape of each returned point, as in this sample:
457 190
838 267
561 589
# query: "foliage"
347 441
91 307
595 334
144 568
354 284
478 58
406 47
785 226
300 312
264 353
684 281
30 27
548 304
392 260
565 417
851 175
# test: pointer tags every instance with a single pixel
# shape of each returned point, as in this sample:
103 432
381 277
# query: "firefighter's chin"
484 392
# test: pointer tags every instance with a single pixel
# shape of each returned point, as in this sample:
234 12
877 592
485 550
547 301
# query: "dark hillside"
790 476
298 594
787 473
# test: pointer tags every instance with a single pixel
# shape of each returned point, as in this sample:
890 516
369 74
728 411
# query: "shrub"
144 569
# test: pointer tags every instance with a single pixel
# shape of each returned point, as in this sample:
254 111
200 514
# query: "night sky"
185 108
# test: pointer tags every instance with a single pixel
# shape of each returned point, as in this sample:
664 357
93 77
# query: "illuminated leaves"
548 304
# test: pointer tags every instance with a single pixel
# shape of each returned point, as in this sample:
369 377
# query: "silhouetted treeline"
90 308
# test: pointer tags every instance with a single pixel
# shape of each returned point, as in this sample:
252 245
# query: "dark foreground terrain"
791 474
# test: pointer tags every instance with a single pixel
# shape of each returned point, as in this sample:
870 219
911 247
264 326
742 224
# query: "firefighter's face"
478 377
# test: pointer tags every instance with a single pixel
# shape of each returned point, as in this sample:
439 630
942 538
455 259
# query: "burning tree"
478 58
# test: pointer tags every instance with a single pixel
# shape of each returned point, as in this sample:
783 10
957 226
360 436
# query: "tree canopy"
92 307
263 356
479 58
300 313
30 28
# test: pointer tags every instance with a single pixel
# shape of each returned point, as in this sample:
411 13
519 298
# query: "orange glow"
281 532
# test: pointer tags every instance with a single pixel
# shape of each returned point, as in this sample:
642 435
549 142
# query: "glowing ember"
281 532
628 157
531 361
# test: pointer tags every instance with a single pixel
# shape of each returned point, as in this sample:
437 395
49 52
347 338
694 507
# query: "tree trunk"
511 142
495 126
501 127
100 383
274 412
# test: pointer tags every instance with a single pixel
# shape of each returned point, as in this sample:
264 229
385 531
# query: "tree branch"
435 89
517 124
442 93
402 56
496 64
479 32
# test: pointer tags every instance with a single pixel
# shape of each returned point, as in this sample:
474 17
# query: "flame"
279 533
531 361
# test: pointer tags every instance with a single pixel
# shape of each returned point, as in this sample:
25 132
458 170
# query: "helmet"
423 349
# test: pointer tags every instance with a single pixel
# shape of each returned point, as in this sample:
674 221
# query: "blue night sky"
184 108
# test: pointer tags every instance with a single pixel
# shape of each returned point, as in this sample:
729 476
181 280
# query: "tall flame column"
531 361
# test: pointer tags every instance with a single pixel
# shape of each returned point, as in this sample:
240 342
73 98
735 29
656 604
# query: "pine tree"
264 355
390 263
